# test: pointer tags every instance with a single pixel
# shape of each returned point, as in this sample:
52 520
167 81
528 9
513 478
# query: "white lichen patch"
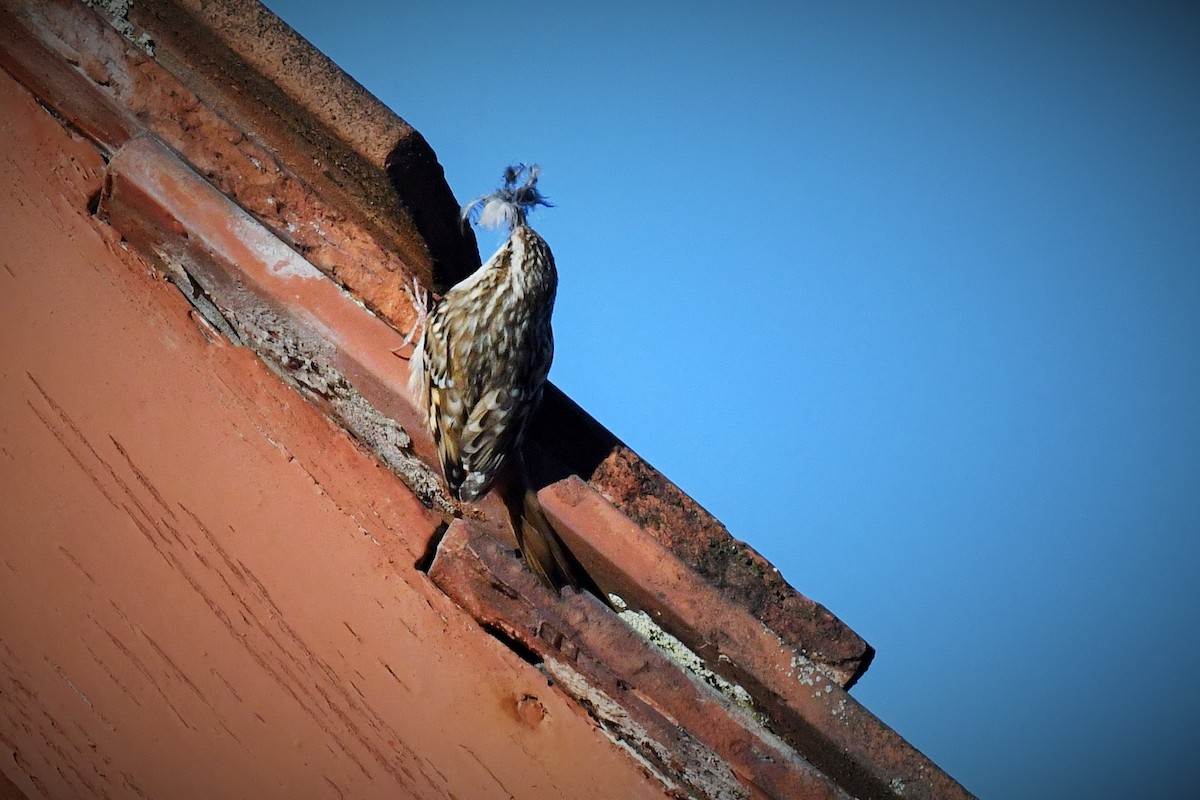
117 12
807 673
681 654
839 711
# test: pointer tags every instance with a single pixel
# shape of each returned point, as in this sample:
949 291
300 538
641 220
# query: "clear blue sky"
908 295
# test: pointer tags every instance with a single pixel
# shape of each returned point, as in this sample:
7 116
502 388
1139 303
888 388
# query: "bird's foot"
420 299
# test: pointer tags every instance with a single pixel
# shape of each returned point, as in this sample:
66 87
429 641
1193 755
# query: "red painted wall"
206 589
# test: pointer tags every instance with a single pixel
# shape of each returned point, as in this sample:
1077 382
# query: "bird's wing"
491 433
443 398
496 422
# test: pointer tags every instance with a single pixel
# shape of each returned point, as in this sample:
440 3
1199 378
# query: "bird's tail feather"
546 554
542 547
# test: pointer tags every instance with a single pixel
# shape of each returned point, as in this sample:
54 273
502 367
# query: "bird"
480 365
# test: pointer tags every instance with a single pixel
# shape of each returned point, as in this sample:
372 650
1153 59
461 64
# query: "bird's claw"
420 302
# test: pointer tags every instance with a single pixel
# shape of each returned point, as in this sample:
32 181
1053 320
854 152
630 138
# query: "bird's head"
509 205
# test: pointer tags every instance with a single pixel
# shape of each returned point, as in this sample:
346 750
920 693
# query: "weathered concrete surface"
206 589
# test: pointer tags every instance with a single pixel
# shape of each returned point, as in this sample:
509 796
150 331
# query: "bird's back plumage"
481 364
485 354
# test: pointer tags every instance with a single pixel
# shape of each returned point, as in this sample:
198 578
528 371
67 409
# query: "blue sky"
908 295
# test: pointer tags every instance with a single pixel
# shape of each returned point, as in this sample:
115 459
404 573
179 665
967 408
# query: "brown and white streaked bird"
480 365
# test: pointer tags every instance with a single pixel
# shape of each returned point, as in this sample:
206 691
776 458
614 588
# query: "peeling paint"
285 262
205 243
306 361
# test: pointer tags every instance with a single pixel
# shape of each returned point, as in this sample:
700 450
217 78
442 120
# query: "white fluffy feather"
509 205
